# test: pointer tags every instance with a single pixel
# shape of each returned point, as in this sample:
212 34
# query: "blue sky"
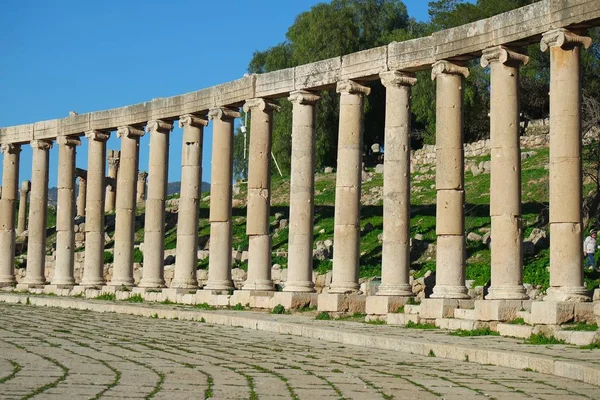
65 55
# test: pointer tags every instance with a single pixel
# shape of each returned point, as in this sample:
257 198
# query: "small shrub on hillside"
138 256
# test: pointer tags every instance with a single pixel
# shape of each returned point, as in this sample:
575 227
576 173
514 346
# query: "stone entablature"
522 25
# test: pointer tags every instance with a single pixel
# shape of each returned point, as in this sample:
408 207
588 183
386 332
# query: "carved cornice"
503 55
223 113
446 67
41 144
159 126
304 97
192 120
142 176
564 39
130 132
10 148
97 136
25 187
351 87
68 141
397 79
261 104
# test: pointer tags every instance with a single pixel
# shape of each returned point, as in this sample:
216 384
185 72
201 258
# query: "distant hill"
172 188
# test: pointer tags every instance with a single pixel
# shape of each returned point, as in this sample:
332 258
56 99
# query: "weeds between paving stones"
475 332
541 339
420 325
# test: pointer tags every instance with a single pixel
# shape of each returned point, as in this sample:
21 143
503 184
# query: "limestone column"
93 267
505 188
566 273
346 235
38 207
111 184
81 194
65 234
154 227
395 261
450 217
186 258
10 179
126 201
302 187
259 195
22 218
219 268
141 187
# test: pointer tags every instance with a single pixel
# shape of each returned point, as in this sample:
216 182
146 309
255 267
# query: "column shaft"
259 195
65 234
93 269
346 236
219 268
38 207
154 227
81 195
505 188
302 187
395 261
566 274
111 186
189 203
450 227
22 217
10 179
141 187
126 201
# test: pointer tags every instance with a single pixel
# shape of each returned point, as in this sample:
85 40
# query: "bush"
109 257
138 256
278 309
323 316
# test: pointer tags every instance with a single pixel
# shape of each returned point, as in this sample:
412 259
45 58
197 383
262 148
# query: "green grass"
138 256
108 257
136 298
591 346
107 296
323 316
541 339
420 325
278 309
238 307
582 326
475 332
204 306
517 321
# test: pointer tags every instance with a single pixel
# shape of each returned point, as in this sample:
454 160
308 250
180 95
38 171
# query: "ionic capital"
130 132
564 39
223 113
192 120
446 67
142 176
159 126
351 87
10 148
97 136
25 187
303 97
503 55
41 144
71 141
261 104
397 79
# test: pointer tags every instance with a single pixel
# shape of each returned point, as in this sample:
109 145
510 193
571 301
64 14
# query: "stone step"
514 330
411 309
456 324
579 338
402 318
464 313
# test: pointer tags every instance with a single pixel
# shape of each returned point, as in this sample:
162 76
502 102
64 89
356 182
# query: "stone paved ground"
57 353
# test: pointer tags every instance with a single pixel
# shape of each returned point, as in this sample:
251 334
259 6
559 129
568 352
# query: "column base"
224 285
184 284
404 290
332 302
63 283
152 283
344 288
382 305
506 292
128 283
437 308
575 294
7 281
92 282
299 287
259 285
450 292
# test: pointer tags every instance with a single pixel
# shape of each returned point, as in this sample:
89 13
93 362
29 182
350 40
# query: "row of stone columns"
505 191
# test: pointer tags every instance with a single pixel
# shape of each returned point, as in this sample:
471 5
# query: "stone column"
141 187
65 234
505 188
111 184
395 261
93 268
346 235
22 218
189 202
10 179
38 208
154 226
566 273
450 216
302 187
126 201
259 195
219 268
81 194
